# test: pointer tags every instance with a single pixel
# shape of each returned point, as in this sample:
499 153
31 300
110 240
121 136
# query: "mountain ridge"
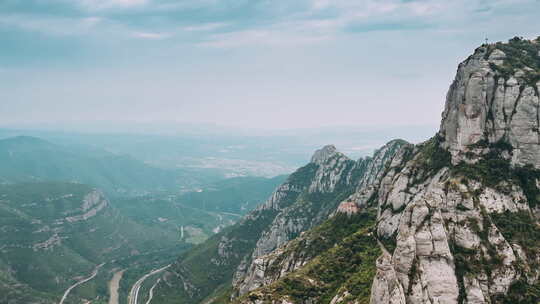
453 220
456 213
306 199
31 159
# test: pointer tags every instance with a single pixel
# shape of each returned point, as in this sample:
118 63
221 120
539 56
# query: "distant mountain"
54 233
235 152
24 159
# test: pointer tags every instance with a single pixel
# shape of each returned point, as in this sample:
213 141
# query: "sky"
251 64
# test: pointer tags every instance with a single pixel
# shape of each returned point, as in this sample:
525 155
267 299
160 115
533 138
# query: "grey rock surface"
481 105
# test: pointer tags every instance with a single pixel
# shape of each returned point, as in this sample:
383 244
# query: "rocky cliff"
494 99
461 214
455 219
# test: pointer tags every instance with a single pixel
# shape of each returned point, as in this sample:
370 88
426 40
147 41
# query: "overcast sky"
268 64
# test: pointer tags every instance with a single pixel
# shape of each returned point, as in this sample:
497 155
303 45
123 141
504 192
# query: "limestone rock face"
322 155
386 288
436 221
334 169
374 167
484 105
93 203
444 227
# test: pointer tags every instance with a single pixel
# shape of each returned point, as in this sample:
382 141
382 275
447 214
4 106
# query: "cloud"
152 36
330 61
240 23
322 21
57 26
262 37
107 4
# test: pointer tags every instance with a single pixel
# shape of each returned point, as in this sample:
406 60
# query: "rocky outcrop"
375 168
93 202
348 207
334 169
330 170
323 155
446 226
443 219
457 216
495 99
48 244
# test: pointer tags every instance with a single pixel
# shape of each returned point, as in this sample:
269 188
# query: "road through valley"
94 273
134 292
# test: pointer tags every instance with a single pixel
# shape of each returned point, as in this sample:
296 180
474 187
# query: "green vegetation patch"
521 292
348 266
520 53
430 159
492 170
323 237
520 228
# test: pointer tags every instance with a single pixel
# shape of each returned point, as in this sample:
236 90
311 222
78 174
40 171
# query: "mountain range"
454 219
25 158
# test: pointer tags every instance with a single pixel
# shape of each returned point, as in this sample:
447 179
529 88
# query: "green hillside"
56 232
342 250
51 235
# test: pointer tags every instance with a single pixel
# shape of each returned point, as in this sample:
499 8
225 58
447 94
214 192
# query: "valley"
68 241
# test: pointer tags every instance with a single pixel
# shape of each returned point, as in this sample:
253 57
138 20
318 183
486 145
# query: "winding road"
94 273
134 293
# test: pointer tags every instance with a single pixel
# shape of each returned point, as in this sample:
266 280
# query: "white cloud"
58 26
103 4
262 37
319 20
150 35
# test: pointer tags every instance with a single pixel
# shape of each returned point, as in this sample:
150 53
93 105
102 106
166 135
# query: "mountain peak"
494 99
322 155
